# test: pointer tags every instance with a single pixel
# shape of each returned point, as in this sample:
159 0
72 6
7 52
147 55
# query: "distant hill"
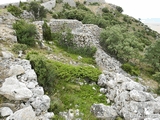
153 23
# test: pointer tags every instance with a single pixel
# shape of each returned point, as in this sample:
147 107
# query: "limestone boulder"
26 113
15 90
30 75
7 55
5 111
95 1
102 81
140 96
41 104
16 70
49 4
103 112
70 2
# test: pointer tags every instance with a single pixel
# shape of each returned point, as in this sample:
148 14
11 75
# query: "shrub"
46 32
14 10
156 76
19 47
132 70
37 10
25 32
119 9
105 10
49 71
44 70
64 39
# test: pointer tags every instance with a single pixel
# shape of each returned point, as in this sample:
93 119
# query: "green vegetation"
14 10
131 69
48 70
19 47
64 39
37 10
46 32
123 37
25 32
63 83
121 44
119 9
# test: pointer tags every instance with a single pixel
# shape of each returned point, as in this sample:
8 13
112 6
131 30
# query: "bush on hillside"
119 9
37 10
14 10
25 32
48 72
132 70
46 32
19 47
105 10
64 39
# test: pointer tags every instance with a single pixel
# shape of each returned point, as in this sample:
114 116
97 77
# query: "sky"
10 1
143 9
139 8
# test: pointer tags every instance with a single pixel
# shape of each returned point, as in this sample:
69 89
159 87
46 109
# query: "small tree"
105 10
119 9
14 10
25 32
152 55
37 10
46 32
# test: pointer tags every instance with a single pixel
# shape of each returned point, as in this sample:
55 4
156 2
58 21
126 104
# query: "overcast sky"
137 8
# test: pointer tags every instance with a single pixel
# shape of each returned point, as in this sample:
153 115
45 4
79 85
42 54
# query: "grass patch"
71 95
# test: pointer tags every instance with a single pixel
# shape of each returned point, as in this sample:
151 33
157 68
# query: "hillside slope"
89 59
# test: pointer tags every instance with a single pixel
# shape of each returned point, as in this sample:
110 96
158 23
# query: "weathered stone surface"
30 75
49 4
57 24
103 112
70 2
5 111
32 84
16 70
140 96
95 1
26 113
27 15
7 55
38 91
15 90
41 104
102 81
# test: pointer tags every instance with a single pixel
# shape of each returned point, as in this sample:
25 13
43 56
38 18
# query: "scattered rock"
26 113
7 55
70 2
5 111
102 111
15 90
49 5
16 70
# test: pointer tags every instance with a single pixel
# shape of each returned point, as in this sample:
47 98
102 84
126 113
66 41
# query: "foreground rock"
21 87
104 112
129 99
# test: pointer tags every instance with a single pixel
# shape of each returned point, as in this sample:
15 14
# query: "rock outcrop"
49 4
70 2
95 1
129 99
21 87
